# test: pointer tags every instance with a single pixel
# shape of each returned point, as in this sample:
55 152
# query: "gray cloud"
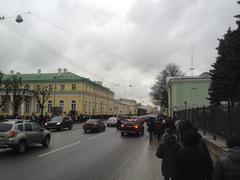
120 42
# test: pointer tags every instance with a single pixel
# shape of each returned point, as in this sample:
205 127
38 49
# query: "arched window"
73 105
49 106
61 104
27 107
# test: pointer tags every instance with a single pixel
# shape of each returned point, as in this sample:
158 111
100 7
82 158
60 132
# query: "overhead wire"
45 47
74 35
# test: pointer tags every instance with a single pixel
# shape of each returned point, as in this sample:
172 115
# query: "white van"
112 121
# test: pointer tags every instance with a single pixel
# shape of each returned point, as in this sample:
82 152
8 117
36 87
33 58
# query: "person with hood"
151 127
228 166
193 163
167 151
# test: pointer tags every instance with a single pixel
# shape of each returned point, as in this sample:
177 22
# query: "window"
50 87
62 87
49 106
5 127
28 127
73 106
35 127
27 107
61 104
74 87
20 127
38 87
38 107
27 86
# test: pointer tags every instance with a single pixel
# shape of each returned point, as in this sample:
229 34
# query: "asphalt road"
74 155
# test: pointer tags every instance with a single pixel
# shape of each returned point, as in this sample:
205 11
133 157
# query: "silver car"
19 134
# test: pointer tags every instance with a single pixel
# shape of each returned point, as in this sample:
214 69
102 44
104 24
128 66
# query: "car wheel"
61 128
21 147
104 129
70 127
85 131
122 134
46 141
107 125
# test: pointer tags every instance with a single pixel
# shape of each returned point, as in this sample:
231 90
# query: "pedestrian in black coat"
167 151
228 166
193 163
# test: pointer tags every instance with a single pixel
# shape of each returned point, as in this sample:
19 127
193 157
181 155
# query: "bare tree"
159 94
17 90
42 94
3 89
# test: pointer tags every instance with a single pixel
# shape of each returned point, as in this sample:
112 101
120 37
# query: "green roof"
53 77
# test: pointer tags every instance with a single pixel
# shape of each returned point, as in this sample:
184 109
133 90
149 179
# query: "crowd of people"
185 156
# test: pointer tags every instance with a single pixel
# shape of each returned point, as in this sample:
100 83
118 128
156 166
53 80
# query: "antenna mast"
192 67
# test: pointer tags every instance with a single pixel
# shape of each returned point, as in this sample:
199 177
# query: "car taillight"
11 134
135 126
122 125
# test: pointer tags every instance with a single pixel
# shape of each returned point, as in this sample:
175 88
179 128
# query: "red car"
132 127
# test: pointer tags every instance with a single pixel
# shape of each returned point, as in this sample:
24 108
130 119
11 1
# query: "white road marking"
93 137
61 148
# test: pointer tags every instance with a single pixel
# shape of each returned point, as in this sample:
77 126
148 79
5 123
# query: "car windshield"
4 127
57 118
112 119
92 121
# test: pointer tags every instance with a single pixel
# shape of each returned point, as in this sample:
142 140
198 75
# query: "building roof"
66 77
203 76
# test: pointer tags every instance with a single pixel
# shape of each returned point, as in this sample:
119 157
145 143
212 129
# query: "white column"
22 108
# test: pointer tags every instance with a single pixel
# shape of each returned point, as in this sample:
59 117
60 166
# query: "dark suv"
132 127
59 123
19 134
93 125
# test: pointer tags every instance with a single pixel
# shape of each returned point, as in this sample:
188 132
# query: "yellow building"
69 91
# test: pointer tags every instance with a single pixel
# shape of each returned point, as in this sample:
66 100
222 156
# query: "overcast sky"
122 43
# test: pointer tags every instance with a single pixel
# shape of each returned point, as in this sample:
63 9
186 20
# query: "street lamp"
18 19
185 104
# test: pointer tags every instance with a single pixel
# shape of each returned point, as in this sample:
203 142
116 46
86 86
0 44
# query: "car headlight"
58 123
45 124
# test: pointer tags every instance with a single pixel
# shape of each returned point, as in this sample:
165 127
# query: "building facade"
125 107
187 92
69 91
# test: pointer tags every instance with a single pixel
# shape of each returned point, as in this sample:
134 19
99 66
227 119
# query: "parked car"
59 123
132 127
20 134
93 125
112 121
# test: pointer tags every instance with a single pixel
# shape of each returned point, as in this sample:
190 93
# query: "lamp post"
185 105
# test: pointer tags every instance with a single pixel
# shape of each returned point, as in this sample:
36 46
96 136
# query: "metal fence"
221 121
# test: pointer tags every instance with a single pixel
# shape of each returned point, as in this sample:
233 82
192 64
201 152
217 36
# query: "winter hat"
191 138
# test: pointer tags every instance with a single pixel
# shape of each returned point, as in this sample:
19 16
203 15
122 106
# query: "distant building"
189 91
125 106
69 91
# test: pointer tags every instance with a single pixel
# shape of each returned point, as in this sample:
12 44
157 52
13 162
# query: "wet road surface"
74 155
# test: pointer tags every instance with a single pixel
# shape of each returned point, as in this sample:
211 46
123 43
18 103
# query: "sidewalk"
147 166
